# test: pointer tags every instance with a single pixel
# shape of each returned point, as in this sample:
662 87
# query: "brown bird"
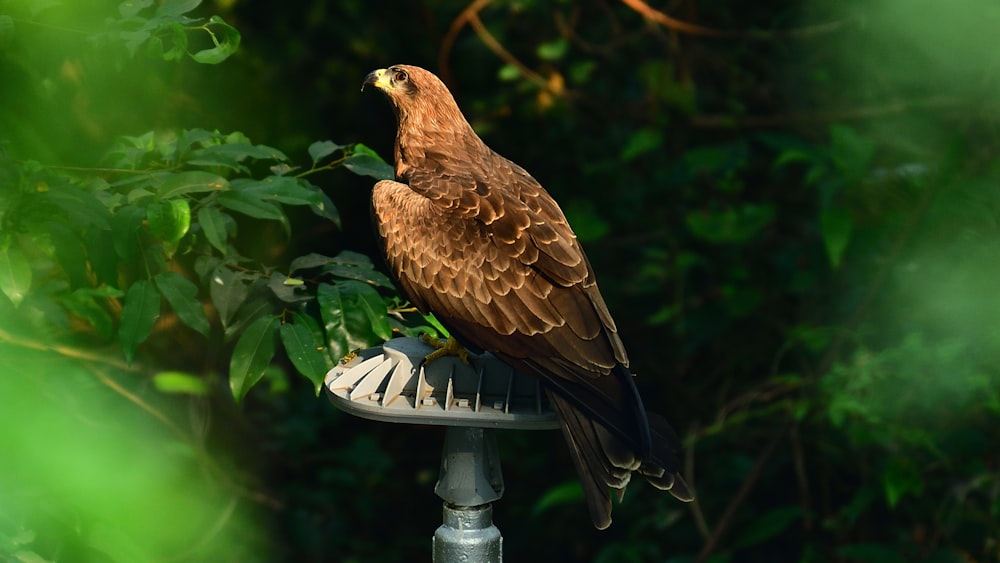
472 238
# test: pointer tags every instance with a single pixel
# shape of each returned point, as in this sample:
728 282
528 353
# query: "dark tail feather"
605 462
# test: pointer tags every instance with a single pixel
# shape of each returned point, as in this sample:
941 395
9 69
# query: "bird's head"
395 81
417 95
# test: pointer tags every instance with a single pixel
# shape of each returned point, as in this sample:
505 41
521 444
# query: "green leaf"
901 476
231 154
176 7
125 226
289 290
181 293
82 208
588 224
84 304
359 273
141 309
15 273
249 205
322 149
566 493
871 552
305 346
70 252
363 161
308 261
326 209
251 356
179 382
836 225
766 526
642 142
169 220
228 291
366 316
226 39
130 8
850 151
254 307
282 189
553 50
192 181
730 226
213 223
331 309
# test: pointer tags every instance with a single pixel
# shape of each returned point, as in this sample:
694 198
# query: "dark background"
792 208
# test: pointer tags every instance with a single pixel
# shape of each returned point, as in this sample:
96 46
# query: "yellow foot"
443 348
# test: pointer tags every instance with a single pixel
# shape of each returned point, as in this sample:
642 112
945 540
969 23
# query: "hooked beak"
375 78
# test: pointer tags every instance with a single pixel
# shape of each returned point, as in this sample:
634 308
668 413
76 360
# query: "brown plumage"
473 238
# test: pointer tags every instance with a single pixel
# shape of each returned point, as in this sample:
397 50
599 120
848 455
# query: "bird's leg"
442 348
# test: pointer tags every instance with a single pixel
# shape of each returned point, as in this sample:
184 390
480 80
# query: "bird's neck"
425 140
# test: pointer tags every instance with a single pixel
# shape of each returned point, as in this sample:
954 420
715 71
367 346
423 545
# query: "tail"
605 461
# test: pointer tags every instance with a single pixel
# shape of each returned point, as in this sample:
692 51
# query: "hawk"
474 239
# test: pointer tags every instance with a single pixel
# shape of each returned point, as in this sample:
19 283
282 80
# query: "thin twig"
687 28
74 353
470 16
801 477
449 38
741 496
696 512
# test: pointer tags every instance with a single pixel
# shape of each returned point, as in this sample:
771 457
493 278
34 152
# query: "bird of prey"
474 239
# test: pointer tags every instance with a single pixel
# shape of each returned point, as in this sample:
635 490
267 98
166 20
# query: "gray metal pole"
470 480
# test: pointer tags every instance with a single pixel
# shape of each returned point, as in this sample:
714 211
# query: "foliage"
792 209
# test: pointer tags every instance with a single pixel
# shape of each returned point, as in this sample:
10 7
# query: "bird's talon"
442 348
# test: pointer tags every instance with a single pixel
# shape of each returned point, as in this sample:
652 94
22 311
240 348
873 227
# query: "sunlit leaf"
181 293
306 348
251 356
139 313
179 382
15 273
169 220
226 39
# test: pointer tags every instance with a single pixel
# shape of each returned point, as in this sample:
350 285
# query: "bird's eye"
400 76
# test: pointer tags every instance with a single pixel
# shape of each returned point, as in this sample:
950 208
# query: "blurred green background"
793 209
